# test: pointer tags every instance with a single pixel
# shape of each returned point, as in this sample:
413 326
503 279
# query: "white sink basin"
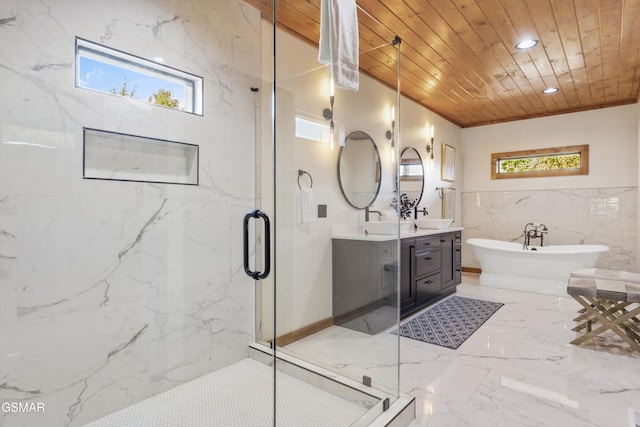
387 227
434 223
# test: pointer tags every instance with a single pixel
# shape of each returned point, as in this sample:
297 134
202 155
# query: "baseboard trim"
350 315
305 331
471 270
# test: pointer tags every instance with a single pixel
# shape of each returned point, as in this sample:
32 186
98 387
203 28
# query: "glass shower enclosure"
317 307
135 137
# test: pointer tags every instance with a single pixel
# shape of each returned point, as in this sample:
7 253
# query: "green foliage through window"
124 90
539 163
164 97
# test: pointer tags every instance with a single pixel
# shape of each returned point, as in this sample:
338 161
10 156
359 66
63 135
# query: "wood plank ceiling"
459 57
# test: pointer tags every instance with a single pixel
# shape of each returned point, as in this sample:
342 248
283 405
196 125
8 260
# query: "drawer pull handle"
428 258
428 282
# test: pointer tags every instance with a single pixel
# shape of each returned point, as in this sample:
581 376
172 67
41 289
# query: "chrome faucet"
534 230
368 211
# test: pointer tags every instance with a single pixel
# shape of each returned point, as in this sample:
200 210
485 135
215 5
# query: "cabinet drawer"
428 287
457 256
427 262
429 242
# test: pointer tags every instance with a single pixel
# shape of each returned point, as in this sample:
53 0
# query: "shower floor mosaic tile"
240 395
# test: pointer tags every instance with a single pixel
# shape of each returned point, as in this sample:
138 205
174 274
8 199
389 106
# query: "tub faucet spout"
534 230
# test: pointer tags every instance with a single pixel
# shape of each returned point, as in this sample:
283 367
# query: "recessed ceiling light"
550 90
526 44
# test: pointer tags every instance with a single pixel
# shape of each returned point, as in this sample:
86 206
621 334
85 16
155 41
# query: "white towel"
339 42
306 214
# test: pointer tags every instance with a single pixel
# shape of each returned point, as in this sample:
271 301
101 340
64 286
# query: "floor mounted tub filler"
540 269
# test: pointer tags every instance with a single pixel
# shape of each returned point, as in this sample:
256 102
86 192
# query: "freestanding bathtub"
541 269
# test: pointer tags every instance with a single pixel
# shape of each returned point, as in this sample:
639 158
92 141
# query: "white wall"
611 133
415 128
303 257
600 207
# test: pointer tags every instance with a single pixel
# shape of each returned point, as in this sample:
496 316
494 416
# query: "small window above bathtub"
111 71
557 161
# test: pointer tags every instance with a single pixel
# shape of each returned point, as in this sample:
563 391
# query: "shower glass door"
127 162
331 301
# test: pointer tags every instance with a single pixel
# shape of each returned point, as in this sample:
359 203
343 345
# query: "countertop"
359 234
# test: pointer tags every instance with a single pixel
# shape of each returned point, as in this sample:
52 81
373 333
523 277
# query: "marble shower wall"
114 291
578 216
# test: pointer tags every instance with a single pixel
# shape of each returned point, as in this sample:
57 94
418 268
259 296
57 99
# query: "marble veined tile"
75 364
200 331
79 252
8 261
112 291
581 216
518 369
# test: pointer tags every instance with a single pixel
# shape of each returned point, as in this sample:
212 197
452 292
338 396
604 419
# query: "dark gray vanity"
365 268
429 269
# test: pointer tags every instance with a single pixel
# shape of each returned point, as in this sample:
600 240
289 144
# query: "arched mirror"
359 170
411 178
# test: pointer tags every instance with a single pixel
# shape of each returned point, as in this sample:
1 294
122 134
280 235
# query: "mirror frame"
423 176
378 169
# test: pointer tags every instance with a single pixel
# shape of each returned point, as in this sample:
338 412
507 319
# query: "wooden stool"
610 301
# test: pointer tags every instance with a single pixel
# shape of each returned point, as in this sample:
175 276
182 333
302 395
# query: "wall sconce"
430 143
390 133
327 113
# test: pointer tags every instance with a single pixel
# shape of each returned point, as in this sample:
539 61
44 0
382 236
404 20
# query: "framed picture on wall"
448 163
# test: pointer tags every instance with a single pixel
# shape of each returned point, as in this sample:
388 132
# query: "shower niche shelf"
121 157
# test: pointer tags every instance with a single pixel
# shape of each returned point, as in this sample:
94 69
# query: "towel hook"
300 173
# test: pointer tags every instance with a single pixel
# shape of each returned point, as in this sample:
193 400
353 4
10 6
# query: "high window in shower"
111 71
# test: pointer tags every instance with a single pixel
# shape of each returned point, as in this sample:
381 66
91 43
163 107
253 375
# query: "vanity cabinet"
451 259
364 283
430 269
365 274
408 295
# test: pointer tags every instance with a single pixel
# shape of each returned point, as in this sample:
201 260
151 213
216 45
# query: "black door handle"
256 275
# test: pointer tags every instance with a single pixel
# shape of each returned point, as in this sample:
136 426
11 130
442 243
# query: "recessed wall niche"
122 157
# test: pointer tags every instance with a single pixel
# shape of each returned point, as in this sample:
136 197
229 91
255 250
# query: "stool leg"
609 318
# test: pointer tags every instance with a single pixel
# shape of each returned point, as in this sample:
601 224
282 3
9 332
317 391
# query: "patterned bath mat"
450 322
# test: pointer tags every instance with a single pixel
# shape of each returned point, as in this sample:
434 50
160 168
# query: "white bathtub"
541 269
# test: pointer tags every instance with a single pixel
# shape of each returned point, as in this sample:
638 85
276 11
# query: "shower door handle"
256 275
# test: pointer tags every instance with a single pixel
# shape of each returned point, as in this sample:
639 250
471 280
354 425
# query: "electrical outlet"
322 211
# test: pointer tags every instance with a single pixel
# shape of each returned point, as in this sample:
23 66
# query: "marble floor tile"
518 369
